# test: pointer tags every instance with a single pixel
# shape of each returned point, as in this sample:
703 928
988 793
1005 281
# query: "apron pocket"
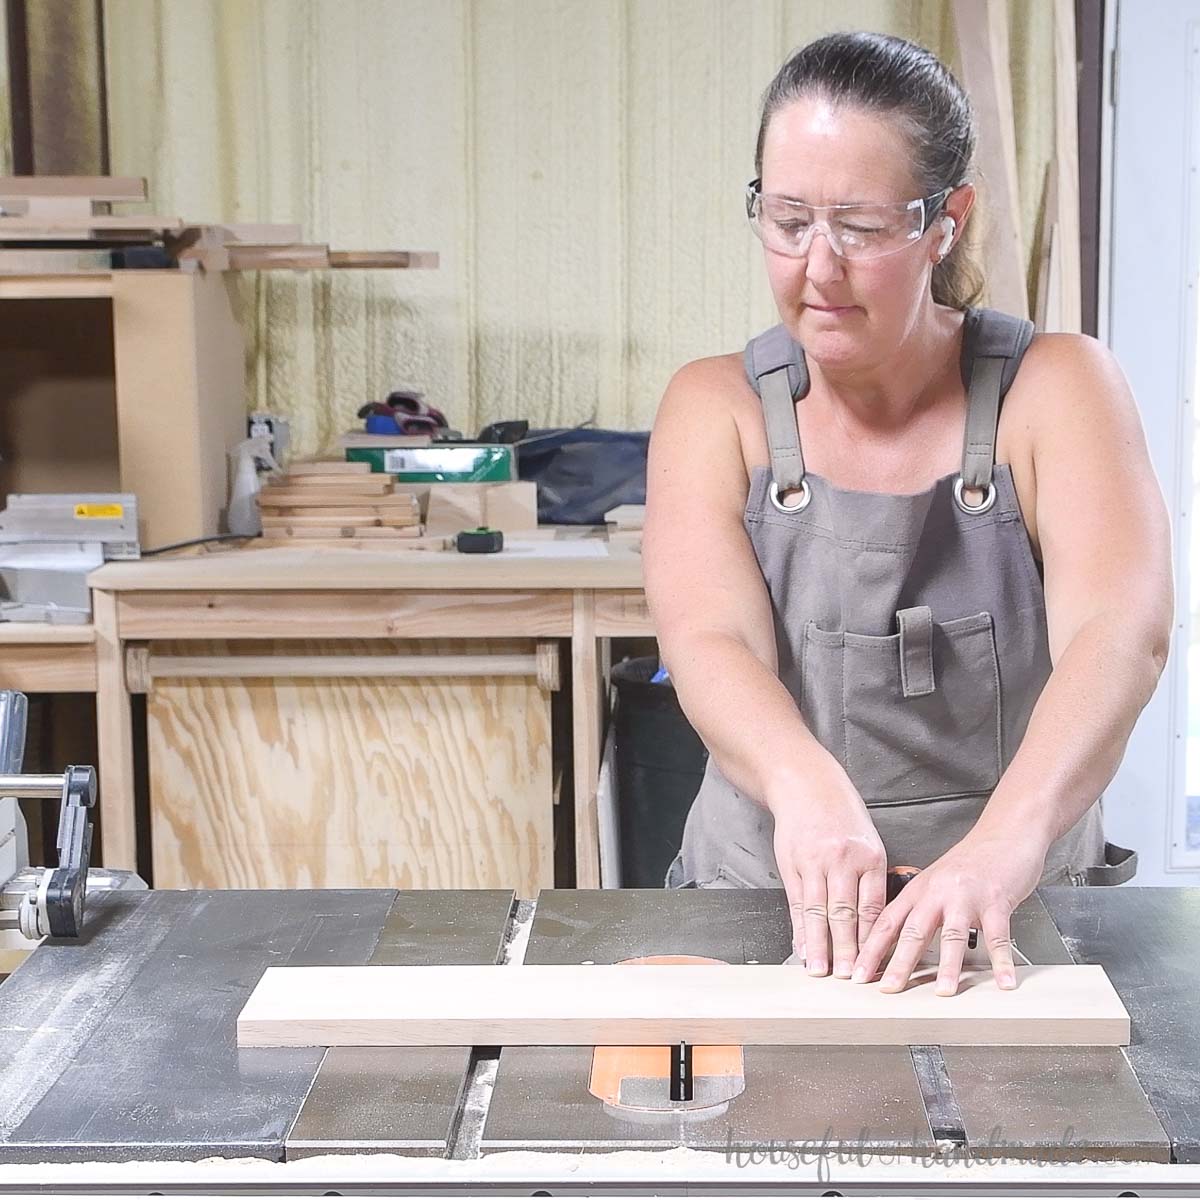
911 716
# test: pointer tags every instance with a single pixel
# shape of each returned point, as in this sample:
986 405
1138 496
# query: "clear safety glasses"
787 226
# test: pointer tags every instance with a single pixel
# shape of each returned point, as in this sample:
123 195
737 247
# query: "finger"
816 922
915 935
872 900
952 950
998 939
793 888
843 921
882 938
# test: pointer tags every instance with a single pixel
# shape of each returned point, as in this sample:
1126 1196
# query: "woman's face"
821 154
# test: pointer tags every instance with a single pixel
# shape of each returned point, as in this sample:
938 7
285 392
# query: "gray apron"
911 632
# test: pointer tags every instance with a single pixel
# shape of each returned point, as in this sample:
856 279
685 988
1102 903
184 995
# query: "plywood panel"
350 782
642 1004
180 398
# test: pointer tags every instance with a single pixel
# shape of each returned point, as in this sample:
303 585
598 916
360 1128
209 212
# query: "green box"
440 464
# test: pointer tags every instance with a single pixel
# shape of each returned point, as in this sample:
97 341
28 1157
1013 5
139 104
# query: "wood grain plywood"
642 1004
48 668
450 613
338 782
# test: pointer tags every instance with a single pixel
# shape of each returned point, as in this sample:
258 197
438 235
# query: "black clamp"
68 881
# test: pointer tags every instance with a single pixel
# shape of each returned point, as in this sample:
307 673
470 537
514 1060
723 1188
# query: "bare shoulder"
1069 419
712 401
1070 384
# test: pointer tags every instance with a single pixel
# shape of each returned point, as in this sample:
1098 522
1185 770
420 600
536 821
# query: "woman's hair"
901 80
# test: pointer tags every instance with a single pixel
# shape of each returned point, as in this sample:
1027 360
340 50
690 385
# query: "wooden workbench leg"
115 735
586 694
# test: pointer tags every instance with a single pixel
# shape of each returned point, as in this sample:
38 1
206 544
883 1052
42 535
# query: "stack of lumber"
339 503
56 224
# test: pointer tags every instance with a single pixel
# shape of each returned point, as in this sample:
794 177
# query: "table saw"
118 1048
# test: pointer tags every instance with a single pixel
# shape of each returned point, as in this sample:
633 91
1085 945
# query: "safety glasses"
787 226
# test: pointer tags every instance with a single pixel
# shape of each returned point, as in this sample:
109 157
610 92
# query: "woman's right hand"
833 868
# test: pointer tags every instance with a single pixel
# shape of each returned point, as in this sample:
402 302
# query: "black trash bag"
660 762
583 473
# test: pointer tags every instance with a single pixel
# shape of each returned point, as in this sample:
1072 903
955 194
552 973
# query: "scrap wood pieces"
340 503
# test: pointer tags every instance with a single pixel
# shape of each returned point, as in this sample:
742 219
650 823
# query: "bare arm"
1106 548
716 633
711 611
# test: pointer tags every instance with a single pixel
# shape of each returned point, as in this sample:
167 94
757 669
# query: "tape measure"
479 541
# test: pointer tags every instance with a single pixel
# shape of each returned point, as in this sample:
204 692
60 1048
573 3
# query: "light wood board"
981 32
302 569
351 781
643 1004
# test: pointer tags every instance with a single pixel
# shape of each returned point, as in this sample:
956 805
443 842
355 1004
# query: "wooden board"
643 1004
93 187
1065 215
351 782
328 531
626 516
304 570
453 507
325 497
357 484
328 467
181 386
14 950
340 514
981 33
322 520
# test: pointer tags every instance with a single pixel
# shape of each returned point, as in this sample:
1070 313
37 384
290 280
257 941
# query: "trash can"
659 762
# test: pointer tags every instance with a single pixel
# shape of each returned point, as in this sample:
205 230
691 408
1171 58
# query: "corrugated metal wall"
579 164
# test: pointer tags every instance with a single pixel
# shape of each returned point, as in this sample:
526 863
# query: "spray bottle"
244 463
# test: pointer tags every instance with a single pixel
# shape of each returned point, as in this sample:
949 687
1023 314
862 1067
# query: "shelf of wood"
47 658
35 633
82 286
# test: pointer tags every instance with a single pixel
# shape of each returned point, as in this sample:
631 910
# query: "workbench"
121 1049
36 657
317 596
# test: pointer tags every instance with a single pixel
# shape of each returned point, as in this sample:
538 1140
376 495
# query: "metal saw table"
120 1049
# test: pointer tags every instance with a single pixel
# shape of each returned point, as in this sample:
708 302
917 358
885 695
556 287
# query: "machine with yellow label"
49 543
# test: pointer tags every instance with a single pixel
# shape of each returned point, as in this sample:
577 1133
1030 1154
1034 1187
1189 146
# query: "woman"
909 630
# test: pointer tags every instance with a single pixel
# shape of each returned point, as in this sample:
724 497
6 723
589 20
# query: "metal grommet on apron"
801 503
989 497
911 632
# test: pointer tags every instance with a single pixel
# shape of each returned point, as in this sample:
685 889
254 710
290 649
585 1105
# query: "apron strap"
777 371
1119 866
994 343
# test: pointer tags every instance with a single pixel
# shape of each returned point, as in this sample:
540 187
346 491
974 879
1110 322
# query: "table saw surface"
122 1046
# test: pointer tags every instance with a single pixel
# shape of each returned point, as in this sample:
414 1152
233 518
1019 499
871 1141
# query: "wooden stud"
981 31
585 725
115 737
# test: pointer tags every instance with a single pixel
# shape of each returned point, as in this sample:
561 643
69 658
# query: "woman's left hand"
975 884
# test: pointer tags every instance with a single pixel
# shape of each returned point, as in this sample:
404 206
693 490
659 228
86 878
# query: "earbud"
949 226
